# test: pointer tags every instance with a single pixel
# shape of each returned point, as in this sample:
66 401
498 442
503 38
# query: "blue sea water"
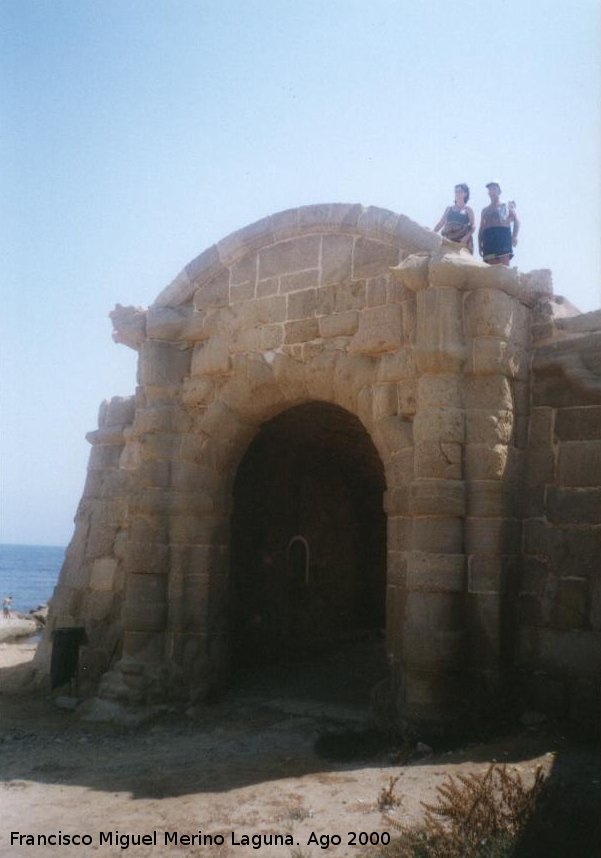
29 574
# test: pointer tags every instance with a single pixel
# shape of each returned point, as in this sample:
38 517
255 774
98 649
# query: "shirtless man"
499 227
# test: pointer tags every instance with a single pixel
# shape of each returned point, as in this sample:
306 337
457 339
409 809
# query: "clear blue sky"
135 133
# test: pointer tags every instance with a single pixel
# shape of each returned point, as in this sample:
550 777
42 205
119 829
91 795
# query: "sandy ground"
245 767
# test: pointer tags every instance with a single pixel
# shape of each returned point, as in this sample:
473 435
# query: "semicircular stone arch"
298 308
331 306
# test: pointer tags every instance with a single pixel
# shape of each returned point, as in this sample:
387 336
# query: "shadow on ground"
264 732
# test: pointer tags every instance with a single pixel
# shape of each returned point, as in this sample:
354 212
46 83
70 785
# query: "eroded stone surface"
344 425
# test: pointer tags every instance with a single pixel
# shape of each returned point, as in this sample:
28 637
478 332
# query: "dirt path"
244 768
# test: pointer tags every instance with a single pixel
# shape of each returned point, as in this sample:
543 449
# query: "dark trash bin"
65 654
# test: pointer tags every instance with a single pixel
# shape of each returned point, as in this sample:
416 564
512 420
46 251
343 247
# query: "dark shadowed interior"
308 546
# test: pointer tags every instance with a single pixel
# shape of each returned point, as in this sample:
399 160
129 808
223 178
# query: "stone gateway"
347 427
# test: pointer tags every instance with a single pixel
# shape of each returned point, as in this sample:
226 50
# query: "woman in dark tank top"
458 222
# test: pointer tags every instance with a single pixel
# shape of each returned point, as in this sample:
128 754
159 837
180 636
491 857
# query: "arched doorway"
309 552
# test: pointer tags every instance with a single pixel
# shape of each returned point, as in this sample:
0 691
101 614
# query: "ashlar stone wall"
559 646
426 351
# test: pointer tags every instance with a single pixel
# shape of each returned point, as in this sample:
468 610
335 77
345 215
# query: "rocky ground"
303 771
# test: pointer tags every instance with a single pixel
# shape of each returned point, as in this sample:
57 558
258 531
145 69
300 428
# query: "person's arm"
443 219
516 226
470 213
480 231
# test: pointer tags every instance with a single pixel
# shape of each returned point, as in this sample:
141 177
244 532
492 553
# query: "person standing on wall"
499 227
458 222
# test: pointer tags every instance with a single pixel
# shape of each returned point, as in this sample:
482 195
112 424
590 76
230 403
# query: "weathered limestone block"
489 427
167 323
540 467
579 463
434 633
131 455
353 373
117 411
569 610
161 445
161 418
211 358
99 605
441 425
437 497
409 321
301 332
394 433
252 400
350 296
574 505
438 535
265 311
395 500
101 536
489 574
245 340
301 305
189 603
498 357
457 269
407 393
483 462
560 651
492 536
412 272
493 313
535 286
198 391
145 594
299 281
296 254
574 551
242 292
103 573
129 325
331 217
396 366
490 498
385 400
540 427
578 424
400 533
380 330
485 630
439 345
401 468
271 337
244 241
244 270
163 363
192 477
336 258
153 473
439 391
339 324
103 456
377 291
492 392
371 258
568 372
268 287
437 573
440 460
141 648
